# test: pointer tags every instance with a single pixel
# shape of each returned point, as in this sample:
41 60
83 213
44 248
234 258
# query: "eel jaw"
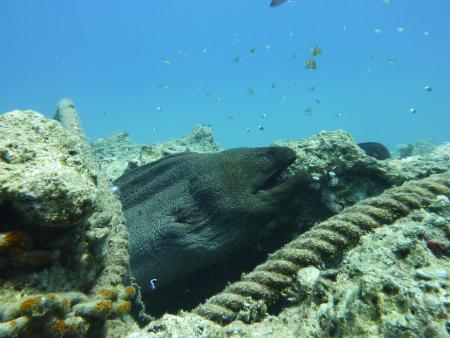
270 182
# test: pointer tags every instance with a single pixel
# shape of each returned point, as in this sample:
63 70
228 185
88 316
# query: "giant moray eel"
190 210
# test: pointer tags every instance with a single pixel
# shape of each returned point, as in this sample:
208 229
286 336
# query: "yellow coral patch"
30 304
12 239
103 306
123 308
66 303
108 294
131 291
59 328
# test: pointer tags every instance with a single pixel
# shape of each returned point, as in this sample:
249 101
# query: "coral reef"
422 147
115 153
378 267
45 180
118 152
63 239
342 173
419 166
200 140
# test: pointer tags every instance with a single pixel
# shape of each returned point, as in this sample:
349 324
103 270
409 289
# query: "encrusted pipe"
248 298
67 115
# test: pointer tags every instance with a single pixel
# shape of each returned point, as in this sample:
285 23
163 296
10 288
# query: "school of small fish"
310 63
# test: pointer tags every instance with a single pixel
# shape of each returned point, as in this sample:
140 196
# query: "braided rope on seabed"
248 298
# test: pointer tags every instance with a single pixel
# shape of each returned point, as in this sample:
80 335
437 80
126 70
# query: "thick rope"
248 298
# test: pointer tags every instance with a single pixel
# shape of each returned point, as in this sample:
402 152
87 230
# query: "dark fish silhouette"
375 149
190 210
275 3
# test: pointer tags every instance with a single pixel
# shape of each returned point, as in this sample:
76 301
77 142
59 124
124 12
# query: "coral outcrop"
118 152
45 180
63 241
115 153
423 165
342 172
377 267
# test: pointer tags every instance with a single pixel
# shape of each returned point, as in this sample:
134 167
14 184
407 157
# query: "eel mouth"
272 181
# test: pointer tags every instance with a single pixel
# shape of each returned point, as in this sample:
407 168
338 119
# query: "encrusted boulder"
63 241
118 153
44 179
200 140
342 173
115 152
416 166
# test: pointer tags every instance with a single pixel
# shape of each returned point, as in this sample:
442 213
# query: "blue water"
107 56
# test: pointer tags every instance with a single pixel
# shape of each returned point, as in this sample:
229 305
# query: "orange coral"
30 303
108 293
58 327
66 303
131 291
12 239
123 308
103 306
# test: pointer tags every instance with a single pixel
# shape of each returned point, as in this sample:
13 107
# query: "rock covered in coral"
115 152
422 165
342 173
393 284
200 140
422 147
63 239
119 153
44 180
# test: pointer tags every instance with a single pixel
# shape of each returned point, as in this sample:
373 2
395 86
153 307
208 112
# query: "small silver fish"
391 61
166 61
